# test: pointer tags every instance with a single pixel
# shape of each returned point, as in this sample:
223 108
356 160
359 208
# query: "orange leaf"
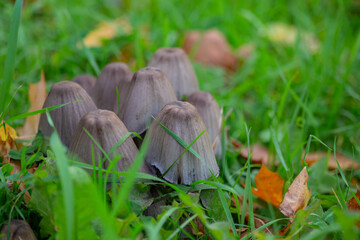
7 141
345 162
37 96
269 186
297 197
352 204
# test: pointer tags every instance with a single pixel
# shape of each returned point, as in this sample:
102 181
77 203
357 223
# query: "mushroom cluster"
101 112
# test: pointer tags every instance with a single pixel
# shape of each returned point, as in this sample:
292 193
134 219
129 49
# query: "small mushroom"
86 81
177 67
67 117
148 93
19 230
114 75
164 151
210 112
107 130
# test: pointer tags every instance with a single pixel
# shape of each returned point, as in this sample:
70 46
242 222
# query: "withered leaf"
211 48
344 162
269 186
260 154
7 141
37 96
298 195
352 204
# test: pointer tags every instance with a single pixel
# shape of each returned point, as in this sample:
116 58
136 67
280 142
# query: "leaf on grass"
298 195
37 96
260 154
269 186
7 141
106 31
345 162
287 35
211 48
353 204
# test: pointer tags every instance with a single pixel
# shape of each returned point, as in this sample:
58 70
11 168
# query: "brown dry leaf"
352 204
345 162
298 195
106 31
37 96
211 48
198 228
269 186
7 141
286 34
260 154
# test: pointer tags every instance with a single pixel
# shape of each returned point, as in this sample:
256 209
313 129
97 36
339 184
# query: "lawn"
294 90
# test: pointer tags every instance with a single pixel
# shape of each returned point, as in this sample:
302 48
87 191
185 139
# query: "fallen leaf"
352 204
287 34
298 195
260 154
106 31
211 48
37 96
269 186
7 141
345 162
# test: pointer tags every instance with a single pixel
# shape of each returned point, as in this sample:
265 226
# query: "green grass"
292 100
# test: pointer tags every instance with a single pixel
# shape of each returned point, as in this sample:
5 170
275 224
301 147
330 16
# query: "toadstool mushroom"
184 120
67 117
19 230
148 93
177 67
114 75
210 112
107 130
86 81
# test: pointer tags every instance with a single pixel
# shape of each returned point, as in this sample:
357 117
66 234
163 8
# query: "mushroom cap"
107 130
86 81
67 117
184 120
177 67
148 93
114 75
19 230
210 112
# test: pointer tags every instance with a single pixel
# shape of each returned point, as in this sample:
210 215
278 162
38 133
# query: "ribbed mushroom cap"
65 118
210 112
177 67
148 93
114 75
184 120
107 130
19 230
86 81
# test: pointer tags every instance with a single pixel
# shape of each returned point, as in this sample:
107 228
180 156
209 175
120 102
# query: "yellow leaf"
37 96
297 197
106 31
7 141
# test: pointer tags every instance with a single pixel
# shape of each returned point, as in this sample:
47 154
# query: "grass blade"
10 56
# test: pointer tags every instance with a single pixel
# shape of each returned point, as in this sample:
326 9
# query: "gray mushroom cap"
86 81
114 75
148 93
19 230
107 130
210 112
65 118
177 67
184 120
